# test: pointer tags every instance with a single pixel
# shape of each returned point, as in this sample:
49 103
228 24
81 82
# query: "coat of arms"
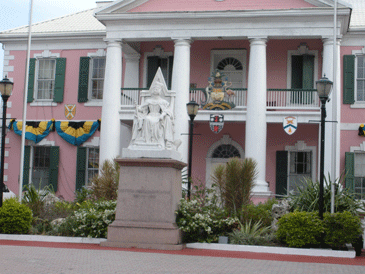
70 111
216 122
290 124
218 93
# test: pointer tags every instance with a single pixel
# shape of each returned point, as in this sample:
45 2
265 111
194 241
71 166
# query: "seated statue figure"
153 125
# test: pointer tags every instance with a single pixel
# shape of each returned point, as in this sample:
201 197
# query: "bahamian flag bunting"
76 133
362 130
34 131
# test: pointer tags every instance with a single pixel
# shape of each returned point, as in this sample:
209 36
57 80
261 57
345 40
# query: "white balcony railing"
276 98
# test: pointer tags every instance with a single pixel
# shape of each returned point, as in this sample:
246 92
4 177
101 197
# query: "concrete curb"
275 250
53 239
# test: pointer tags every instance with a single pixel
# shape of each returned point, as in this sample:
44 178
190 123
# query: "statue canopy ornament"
218 93
153 124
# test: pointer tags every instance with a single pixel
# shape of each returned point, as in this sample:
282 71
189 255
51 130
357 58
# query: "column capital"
182 41
329 41
261 40
128 57
113 42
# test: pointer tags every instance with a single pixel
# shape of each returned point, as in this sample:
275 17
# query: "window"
87 165
41 166
226 151
355 173
360 78
46 79
302 77
97 78
92 163
299 169
165 63
46 73
91 78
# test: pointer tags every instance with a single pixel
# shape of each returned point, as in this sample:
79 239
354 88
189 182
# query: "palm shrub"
15 218
307 198
105 184
235 181
35 198
252 233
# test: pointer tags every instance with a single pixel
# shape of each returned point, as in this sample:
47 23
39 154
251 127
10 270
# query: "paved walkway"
37 257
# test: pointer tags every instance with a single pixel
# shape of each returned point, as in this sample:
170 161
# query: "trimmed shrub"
300 229
261 212
341 228
15 218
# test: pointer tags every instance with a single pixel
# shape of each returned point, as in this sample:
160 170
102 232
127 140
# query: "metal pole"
25 98
5 100
321 179
190 152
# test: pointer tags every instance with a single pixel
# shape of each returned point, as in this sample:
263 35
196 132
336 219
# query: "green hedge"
15 218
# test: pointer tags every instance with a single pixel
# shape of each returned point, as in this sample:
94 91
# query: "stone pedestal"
148 196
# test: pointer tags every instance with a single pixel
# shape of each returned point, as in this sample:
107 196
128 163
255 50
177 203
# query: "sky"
15 13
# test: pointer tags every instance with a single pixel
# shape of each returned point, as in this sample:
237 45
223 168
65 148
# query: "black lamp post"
192 108
6 88
324 87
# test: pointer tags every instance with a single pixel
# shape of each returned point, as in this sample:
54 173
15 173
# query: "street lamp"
192 108
324 87
6 88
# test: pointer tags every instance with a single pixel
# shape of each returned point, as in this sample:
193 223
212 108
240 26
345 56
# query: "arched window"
226 151
232 63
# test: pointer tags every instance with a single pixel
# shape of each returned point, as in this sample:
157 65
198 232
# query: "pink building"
271 52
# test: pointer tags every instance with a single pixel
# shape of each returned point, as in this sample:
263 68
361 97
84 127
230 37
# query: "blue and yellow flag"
34 131
76 133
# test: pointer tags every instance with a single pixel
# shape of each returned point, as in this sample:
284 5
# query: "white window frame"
210 161
36 81
359 149
94 143
90 86
357 104
301 146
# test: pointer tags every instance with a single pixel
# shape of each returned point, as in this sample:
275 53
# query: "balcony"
279 103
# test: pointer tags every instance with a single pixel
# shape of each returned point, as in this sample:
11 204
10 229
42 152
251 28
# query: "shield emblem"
216 122
290 124
70 111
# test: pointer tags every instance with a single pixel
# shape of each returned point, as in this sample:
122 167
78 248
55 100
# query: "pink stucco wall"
277 139
211 5
67 163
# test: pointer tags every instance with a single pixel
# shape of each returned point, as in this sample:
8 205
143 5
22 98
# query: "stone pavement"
34 257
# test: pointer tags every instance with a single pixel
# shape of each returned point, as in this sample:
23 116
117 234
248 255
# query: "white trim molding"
94 142
360 148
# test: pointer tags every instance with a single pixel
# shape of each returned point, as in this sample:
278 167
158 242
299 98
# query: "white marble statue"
153 124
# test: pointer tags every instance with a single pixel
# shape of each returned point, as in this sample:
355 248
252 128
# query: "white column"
333 109
181 85
255 143
110 122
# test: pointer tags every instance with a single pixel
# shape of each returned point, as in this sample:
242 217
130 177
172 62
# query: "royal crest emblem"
70 111
218 93
216 122
290 124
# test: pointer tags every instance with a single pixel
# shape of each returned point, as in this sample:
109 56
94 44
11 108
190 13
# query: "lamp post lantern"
324 87
192 108
6 88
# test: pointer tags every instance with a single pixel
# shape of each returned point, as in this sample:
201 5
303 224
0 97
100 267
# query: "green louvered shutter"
53 167
60 80
349 170
308 71
26 165
348 79
171 63
297 71
31 80
80 167
152 66
281 172
83 79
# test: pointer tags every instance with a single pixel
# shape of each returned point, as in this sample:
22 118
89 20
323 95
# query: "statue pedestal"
148 196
